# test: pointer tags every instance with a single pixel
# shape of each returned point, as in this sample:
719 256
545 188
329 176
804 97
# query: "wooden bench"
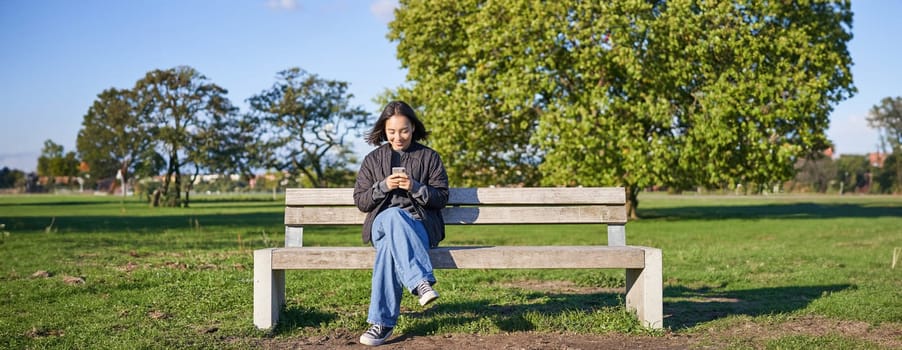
470 206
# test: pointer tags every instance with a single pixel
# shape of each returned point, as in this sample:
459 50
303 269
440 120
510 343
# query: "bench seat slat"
595 214
469 257
475 196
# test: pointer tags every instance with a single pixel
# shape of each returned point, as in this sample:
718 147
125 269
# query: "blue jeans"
402 258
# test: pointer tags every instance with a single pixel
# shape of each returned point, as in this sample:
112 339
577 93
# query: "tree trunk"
155 199
162 193
175 201
171 198
632 202
190 186
123 169
185 201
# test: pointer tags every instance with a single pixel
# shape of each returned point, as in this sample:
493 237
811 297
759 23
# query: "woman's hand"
398 180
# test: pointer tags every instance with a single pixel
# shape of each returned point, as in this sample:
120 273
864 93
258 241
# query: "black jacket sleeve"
366 186
433 192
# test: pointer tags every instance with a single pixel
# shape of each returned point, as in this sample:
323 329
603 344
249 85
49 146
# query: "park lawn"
107 272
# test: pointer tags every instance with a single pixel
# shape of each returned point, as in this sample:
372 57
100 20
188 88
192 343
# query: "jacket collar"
385 153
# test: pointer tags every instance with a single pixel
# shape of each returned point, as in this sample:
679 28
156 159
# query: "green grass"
182 278
822 343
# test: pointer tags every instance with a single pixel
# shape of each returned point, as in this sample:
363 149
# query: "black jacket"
425 167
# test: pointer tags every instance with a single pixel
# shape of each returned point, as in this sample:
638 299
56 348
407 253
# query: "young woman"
402 186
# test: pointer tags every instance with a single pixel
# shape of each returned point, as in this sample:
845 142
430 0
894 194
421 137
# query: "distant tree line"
886 117
846 174
175 125
12 178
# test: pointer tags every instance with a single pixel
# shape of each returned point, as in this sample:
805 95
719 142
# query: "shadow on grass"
696 306
692 307
772 211
233 199
299 317
49 204
52 201
141 223
508 318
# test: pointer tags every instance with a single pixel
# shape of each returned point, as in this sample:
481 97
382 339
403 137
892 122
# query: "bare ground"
749 334
525 341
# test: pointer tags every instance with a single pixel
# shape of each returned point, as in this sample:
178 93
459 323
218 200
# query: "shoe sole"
375 342
427 298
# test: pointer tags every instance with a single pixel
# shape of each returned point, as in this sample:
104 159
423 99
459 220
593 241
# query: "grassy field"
102 272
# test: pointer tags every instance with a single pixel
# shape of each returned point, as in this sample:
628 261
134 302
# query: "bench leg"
269 290
644 290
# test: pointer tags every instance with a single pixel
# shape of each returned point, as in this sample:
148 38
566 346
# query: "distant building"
58 180
876 159
214 177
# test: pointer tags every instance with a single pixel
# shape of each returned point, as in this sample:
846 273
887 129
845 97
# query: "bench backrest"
534 205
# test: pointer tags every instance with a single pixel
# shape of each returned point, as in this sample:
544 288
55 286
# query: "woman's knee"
383 222
390 214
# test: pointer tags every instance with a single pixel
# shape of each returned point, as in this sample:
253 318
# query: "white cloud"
286 5
384 10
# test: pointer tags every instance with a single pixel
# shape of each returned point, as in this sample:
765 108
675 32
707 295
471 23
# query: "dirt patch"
129 267
41 274
886 335
158 315
73 280
35 333
207 266
176 265
751 334
519 341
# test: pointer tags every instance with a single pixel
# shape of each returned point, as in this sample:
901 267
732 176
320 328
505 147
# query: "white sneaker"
376 335
426 293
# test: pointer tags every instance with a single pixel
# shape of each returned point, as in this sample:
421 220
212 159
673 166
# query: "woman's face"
399 132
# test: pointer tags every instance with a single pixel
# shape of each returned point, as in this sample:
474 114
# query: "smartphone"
398 170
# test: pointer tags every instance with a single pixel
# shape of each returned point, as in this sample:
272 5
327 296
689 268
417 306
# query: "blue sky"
57 55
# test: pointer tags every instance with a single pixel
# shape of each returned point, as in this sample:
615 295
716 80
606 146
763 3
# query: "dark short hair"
377 136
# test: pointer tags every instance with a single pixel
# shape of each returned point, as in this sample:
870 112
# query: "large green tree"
10 178
886 117
889 178
114 137
225 143
55 161
307 120
631 93
179 102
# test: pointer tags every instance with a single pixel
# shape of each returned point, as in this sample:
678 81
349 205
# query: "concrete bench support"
269 290
645 289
